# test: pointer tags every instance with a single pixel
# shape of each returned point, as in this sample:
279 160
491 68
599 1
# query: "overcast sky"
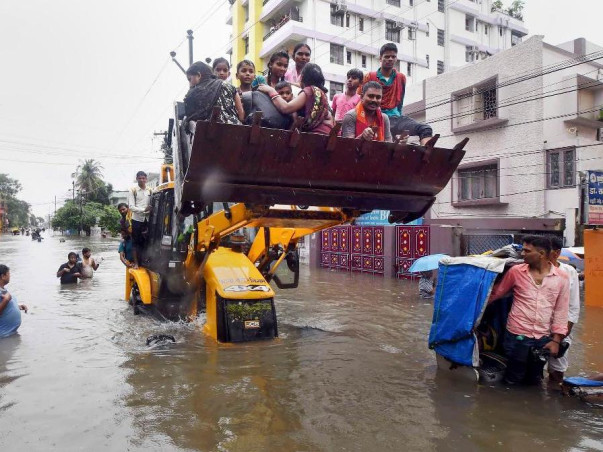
82 79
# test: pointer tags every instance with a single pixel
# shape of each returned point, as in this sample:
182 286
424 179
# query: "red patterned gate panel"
412 242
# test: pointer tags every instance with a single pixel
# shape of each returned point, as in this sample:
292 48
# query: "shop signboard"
380 218
594 194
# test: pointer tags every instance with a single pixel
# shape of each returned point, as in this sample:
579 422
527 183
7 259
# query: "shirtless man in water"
89 265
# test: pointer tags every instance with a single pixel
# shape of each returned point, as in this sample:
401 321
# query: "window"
441 6
336 54
561 167
500 30
427 59
470 54
486 28
335 88
392 31
475 104
363 61
348 57
441 37
489 100
469 23
246 42
409 69
478 182
440 67
412 32
360 24
393 2
347 20
246 12
336 16
515 39
411 2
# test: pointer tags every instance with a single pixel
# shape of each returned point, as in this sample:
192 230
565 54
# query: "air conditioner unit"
412 34
399 25
600 134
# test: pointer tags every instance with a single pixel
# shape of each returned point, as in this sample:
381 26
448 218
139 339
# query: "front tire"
135 300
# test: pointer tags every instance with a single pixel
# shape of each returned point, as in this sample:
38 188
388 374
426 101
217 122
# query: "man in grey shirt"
367 121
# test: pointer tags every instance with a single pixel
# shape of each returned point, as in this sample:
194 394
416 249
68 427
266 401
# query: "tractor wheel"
135 300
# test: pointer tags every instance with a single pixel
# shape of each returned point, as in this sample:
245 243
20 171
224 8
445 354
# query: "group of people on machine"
370 108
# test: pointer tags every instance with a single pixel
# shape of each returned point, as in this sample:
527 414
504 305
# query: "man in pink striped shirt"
538 317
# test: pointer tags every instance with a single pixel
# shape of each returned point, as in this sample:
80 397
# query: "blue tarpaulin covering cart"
464 285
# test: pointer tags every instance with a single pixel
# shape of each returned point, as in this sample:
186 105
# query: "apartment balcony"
229 17
279 25
295 31
273 7
589 112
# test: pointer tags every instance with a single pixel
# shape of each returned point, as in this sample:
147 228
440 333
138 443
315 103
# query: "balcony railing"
283 21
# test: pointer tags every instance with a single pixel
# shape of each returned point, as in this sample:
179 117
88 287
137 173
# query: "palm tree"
88 176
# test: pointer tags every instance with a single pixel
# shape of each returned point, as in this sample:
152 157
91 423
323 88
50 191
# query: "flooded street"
350 371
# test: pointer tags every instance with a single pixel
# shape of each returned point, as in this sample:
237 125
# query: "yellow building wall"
253 29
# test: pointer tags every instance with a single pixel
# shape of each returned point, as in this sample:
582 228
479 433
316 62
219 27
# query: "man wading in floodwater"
10 315
538 317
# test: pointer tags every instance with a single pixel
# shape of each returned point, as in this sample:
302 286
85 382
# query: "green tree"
17 210
88 177
497 5
516 9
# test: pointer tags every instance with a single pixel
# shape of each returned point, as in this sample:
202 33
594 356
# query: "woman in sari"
311 103
206 92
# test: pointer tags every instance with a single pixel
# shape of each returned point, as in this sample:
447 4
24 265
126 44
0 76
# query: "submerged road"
351 371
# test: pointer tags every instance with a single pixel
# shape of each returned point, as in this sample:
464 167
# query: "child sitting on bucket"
426 284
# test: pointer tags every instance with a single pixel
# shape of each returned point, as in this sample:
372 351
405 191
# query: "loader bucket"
255 165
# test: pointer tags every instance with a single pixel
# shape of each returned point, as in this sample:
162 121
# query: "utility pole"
55 204
73 190
190 46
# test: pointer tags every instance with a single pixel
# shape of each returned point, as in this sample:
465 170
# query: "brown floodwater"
351 371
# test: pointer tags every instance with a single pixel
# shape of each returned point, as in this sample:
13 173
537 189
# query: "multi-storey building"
433 36
534 117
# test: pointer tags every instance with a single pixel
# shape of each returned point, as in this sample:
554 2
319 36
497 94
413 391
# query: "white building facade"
433 36
534 117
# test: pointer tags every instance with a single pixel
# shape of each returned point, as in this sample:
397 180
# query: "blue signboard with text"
594 193
379 218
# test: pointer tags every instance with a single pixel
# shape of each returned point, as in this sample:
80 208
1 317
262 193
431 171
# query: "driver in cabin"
367 121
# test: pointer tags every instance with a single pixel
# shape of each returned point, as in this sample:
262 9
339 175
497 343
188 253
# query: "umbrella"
426 263
569 256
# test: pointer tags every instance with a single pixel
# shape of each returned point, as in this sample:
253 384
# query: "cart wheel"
135 300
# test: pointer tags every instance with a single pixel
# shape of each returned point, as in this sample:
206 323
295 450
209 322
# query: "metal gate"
480 243
353 248
412 242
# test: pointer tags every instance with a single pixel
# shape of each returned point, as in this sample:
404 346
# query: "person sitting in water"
70 271
312 102
367 121
426 284
126 254
10 315
394 86
89 265
206 92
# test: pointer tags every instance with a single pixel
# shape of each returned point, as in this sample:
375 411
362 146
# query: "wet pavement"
351 371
